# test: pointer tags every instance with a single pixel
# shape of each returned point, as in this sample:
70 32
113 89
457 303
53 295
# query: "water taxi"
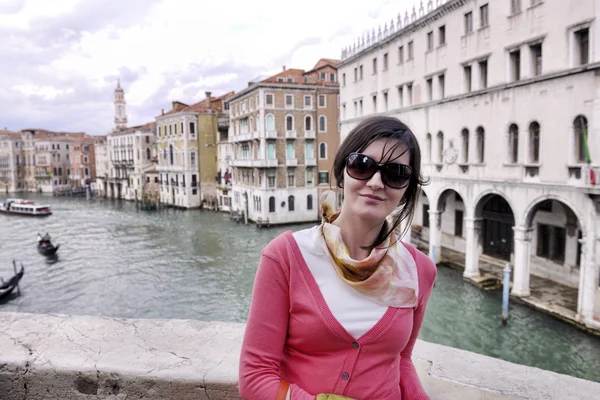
24 208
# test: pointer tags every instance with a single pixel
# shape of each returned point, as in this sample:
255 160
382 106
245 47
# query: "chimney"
163 112
174 104
284 67
208 100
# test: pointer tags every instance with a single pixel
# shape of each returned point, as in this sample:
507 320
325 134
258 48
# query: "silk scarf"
388 276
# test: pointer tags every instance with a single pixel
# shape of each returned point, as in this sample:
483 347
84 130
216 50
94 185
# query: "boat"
24 208
45 245
6 288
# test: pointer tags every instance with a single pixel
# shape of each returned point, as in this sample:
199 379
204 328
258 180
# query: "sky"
60 59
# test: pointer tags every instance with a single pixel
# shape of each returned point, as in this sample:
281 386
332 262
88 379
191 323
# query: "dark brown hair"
392 129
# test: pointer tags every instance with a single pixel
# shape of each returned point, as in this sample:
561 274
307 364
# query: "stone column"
435 233
472 250
522 257
587 280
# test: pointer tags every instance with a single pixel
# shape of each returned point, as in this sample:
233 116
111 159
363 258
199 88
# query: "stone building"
503 97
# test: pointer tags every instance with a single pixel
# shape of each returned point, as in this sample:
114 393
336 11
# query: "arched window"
270 122
440 147
534 142
309 204
428 147
464 135
148 154
580 127
291 203
289 123
480 145
309 150
171 153
308 123
322 124
323 151
513 143
251 124
271 204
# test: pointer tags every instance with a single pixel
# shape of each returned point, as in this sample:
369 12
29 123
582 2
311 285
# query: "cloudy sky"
60 59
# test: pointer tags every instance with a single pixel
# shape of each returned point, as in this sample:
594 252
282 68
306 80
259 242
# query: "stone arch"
537 203
478 204
440 205
498 220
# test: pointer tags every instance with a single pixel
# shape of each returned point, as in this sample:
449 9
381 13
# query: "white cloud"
162 50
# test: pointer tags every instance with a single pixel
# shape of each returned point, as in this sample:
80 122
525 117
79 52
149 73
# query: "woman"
336 309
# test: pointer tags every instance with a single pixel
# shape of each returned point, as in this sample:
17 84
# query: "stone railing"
74 357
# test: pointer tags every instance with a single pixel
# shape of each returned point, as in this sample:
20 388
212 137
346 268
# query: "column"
435 233
472 251
521 269
587 280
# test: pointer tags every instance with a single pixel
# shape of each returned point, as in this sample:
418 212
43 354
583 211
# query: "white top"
355 312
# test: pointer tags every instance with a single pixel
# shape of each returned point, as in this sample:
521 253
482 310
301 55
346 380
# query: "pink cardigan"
291 334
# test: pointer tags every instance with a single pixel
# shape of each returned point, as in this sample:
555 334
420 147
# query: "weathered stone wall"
74 357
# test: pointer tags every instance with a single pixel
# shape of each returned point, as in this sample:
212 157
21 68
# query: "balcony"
290 134
309 135
266 163
223 123
243 137
271 134
310 162
256 135
585 176
243 163
291 162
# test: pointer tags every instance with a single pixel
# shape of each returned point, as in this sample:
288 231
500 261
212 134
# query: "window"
171 153
270 123
440 149
280 79
308 123
290 80
322 101
323 177
290 203
400 54
309 176
323 121
309 202
271 204
289 123
175 129
580 126
428 147
308 102
360 104
442 35
385 101
515 65
289 101
483 74
464 135
426 215
458 222
308 147
271 174
515 6
480 145
484 18
193 159
290 152
468 23
343 79
385 61
360 72
291 178
442 85
430 41
401 96
148 154
536 59
513 143
551 241
322 76
323 151
411 50
468 80
269 100
355 74
582 46
271 151
331 77
534 142
374 103
374 65
430 89
159 131
182 130
409 93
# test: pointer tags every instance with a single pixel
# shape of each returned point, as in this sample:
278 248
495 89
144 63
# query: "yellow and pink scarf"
388 276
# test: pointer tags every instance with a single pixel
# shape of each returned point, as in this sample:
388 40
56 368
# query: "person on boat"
336 309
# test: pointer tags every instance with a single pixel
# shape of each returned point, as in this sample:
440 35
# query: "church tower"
120 108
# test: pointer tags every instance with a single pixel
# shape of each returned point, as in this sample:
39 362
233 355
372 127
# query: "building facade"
11 156
224 164
102 157
503 98
187 152
284 131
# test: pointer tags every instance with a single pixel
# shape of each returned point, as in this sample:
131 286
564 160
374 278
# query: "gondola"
45 246
6 288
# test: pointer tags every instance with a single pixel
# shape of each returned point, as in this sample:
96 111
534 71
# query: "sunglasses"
362 167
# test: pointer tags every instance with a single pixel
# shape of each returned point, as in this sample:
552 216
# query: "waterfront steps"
80 357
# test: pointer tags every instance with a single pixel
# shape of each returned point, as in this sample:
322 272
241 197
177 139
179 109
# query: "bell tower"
120 108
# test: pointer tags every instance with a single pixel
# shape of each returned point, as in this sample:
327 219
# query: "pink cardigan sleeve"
410 385
266 331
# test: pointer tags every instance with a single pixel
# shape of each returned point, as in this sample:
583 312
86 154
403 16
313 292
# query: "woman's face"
371 199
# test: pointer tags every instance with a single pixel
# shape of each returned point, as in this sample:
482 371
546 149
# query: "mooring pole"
15 269
505 294
432 255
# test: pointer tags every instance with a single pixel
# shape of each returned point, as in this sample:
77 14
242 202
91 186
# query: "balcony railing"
290 134
256 135
310 162
243 163
291 162
266 163
587 176
271 134
309 134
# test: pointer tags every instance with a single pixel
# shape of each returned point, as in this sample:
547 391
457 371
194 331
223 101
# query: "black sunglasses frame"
407 172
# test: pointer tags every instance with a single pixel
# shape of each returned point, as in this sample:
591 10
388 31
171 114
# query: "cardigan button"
355 345
345 376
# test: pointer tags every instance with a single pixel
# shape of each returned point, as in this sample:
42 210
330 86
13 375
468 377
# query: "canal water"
117 261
